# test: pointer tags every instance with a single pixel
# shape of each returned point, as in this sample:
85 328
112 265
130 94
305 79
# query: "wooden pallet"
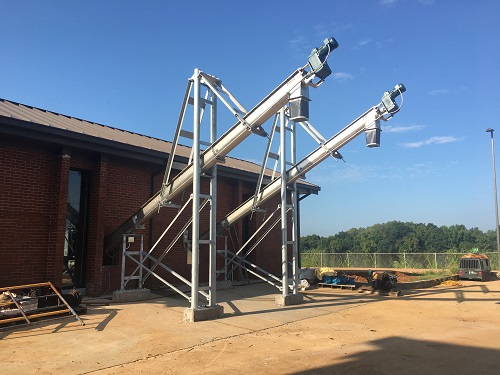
341 286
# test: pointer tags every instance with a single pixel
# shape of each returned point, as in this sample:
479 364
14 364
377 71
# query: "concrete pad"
291 299
224 285
199 314
131 295
125 333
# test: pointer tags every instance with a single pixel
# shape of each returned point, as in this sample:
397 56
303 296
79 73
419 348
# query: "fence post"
375 256
435 260
348 263
321 259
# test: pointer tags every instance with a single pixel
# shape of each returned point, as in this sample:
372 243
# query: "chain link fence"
388 260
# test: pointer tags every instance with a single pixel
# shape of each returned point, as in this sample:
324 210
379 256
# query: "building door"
75 244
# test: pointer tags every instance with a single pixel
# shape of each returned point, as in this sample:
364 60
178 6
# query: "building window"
75 244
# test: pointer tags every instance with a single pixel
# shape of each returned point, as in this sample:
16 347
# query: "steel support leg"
212 272
284 221
295 228
196 191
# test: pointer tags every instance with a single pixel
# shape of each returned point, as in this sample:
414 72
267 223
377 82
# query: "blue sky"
126 64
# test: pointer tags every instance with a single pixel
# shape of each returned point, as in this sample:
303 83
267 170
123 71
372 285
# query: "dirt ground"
440 330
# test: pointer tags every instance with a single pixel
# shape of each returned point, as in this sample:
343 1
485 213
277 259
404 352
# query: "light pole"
490 130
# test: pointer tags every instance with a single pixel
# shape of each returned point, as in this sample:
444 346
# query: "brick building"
66 184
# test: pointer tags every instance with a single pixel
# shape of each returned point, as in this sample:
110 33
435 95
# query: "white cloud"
298 44
340 173
321 29
420 169
439 92
342 76
402 129
392 2
348 173
334 174
366 43
431 141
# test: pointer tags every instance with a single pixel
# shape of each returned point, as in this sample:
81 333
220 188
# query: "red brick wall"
33 182
28 221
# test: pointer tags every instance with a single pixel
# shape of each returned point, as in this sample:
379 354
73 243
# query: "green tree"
396 236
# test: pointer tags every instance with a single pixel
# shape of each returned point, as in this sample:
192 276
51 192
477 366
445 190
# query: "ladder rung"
205 143
190 135
203 102
131 278
278 128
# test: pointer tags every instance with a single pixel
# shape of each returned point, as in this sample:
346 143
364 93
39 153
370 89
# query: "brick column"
95 246
55 253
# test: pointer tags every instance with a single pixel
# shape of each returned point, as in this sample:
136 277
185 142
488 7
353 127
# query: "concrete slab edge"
131 295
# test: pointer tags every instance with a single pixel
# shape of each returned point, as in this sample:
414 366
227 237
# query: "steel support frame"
195 226
129 254
369 120
198 201
246 124
294 196
284 209
142 272
197 175
239 261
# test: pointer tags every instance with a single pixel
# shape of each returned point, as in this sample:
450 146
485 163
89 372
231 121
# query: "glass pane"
75 234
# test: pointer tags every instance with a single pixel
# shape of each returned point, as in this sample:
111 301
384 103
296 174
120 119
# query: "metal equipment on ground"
382 283
42 300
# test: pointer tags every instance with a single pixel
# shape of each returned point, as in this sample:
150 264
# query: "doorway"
75 244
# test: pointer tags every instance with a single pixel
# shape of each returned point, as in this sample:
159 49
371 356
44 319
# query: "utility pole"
490 130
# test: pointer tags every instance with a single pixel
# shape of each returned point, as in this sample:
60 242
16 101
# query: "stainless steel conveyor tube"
234 136
368 122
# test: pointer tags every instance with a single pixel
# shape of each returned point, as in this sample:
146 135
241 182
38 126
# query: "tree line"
399 237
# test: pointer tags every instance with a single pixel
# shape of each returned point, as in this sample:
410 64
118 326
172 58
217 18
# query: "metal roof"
42 117
52 120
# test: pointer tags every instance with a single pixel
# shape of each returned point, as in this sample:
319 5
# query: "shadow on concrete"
262 297
398 355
